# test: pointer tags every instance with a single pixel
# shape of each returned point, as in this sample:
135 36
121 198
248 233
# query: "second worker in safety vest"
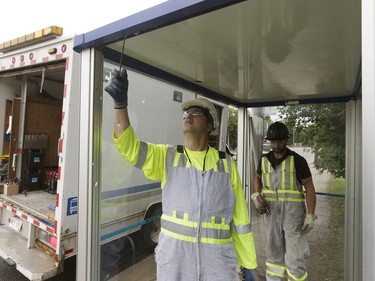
205 225
289 214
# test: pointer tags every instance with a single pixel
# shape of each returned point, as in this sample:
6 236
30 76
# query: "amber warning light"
32 38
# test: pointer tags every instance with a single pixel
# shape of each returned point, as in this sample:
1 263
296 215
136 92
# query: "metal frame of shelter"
225 50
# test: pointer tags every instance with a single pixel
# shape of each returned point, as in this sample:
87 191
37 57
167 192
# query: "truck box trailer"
40 106
40 80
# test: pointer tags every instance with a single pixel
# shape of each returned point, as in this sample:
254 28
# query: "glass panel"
318 134
131 204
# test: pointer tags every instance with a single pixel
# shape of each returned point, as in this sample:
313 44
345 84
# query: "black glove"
117 87
247 275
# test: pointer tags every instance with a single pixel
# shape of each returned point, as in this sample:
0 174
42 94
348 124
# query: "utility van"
40 121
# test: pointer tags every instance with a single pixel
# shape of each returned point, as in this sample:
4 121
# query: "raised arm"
121 121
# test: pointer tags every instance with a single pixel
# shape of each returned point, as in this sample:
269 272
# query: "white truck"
40 119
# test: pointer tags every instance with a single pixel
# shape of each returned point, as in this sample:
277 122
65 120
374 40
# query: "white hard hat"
204 103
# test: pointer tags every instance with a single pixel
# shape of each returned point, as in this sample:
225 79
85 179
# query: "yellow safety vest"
281 183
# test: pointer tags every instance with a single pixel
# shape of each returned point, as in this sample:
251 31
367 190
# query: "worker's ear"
210 128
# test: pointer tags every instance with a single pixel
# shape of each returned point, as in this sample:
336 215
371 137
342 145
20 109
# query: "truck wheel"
151 230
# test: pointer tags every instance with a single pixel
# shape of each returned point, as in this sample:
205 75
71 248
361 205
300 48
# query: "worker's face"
278 146
194 120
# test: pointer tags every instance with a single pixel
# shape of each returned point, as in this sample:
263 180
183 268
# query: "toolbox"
11 189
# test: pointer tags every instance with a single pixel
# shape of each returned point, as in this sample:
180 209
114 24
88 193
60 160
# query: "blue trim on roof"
153 18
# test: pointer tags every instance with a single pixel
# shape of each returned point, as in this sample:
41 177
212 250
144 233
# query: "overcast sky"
79 16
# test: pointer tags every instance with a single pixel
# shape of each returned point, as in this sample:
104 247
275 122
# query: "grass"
338 211
332 267
337 186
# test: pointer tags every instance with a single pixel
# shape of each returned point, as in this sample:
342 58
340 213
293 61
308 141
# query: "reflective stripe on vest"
142 154
241 229
281 184
183 229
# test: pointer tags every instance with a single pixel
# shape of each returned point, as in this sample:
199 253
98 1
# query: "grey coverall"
287 248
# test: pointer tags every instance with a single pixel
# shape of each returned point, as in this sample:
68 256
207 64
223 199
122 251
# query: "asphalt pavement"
8 273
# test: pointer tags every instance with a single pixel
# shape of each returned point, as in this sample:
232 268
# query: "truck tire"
151 230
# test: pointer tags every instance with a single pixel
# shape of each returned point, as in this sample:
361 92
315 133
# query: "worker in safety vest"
205 226
278 193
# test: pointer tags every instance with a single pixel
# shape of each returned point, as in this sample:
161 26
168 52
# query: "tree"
322 127
232 128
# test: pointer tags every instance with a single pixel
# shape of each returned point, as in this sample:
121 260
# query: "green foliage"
267 120
337 186
322 127
232 128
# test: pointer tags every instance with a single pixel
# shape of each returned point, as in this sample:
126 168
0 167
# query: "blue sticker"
72 208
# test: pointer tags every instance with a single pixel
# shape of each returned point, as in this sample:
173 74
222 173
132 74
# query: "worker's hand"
259 202
254 197
308 224
247 275
117 87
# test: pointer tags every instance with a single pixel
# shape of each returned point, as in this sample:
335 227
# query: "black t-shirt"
300 163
